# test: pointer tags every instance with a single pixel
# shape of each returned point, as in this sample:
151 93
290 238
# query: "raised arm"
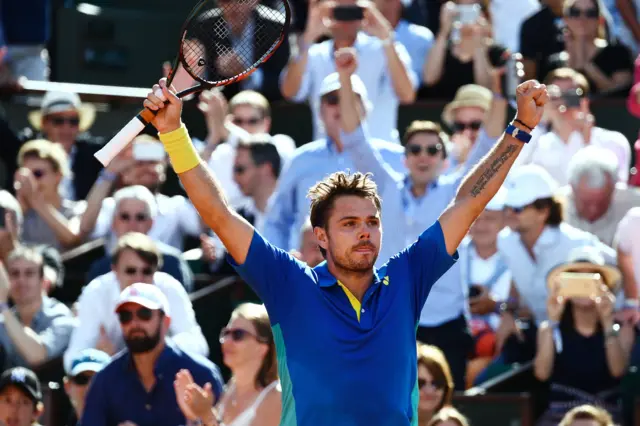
482 183
200 183
353 135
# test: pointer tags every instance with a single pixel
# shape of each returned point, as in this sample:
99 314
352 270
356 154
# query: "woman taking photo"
252 396
434 382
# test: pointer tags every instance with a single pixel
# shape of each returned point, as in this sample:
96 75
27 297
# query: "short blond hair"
448 413
253 99
568 74
423 126
587 412
44 149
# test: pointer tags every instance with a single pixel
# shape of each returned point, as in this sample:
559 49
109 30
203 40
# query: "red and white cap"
146 295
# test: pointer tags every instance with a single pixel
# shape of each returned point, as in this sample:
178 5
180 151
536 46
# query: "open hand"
168 115
195 402
346 61
374 22
531 97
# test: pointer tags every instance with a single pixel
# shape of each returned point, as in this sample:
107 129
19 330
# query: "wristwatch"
517 133
613 331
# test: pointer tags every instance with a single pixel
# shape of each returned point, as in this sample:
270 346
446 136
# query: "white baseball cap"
331 83
527 184
146 295
497 202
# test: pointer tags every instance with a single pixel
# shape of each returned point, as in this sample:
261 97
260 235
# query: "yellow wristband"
181 151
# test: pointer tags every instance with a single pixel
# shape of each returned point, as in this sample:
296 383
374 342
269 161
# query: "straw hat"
55 102
587 259
469 95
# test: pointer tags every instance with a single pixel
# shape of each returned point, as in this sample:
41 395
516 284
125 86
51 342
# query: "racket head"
206 51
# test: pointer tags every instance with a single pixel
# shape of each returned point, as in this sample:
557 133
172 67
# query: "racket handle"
120 141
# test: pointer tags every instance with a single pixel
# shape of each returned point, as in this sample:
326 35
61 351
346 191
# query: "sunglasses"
331 99
38 173
431 150
59 121
238 335
460 126
238 170
138 217
434 385
143 314
519 210
130 270
574 12
248 122
81 379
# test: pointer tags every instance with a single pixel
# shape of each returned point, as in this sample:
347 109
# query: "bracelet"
631 303
517 120
107 176
389 40
613 331
553 324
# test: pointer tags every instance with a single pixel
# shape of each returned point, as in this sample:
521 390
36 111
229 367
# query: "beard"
142 344
353 262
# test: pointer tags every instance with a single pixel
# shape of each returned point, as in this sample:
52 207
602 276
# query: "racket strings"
213 53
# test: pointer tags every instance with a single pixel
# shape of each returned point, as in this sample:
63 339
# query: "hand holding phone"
579 285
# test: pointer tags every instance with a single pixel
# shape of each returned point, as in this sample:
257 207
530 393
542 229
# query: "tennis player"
345 332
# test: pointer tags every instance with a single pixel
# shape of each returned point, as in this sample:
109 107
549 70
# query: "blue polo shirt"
116 394
342 363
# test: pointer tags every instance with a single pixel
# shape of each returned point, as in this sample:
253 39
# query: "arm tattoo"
492 169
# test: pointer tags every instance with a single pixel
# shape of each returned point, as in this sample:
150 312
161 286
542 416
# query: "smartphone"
578 284
465 14
348 13
474 291
572 98
148 151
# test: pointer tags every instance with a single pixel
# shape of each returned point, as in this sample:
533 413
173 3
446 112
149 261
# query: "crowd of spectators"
570 208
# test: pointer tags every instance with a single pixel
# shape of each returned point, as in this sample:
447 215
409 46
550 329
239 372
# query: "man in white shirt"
134 261
536 241
572 129
595 201
384 65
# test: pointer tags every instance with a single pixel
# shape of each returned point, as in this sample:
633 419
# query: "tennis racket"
212 56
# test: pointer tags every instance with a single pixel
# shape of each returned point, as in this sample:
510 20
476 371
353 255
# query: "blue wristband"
107 176
517 133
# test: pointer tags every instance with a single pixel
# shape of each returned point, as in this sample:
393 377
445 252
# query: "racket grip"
120 141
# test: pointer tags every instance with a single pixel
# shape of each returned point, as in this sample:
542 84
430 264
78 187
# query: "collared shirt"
405 217
289 206
624 198
53 324
550 250
374 72
117 395
342 362
96 308
418 41
176 219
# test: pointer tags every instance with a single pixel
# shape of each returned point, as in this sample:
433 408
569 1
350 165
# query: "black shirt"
611 59
540 37
455 74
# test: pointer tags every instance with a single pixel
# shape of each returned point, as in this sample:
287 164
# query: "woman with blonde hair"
252 396
587 415
449 416
435 384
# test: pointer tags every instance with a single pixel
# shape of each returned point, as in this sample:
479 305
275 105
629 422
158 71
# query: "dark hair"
142 245
556 214
29 254
324 193
433 359
429 127
262 150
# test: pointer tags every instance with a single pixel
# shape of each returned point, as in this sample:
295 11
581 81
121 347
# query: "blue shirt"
116 393
418 41
405 216
342 363
289 206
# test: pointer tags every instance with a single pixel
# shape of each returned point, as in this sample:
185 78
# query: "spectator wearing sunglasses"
435 383
135 211
49 218
412 202
608 66
137 387
253 395
76 383
136 259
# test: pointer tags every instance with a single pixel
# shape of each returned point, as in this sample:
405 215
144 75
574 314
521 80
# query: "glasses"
239 170
38 173
246 121
518 210
130 270
238 335
138 217
460 126
81 379
143 314
431 150
331 99
574 12
59 121
433 385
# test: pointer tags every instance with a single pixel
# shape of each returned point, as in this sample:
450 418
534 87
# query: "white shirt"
554 155
477 271
176 218
507 17
96 307
550 250
627 238
372 69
